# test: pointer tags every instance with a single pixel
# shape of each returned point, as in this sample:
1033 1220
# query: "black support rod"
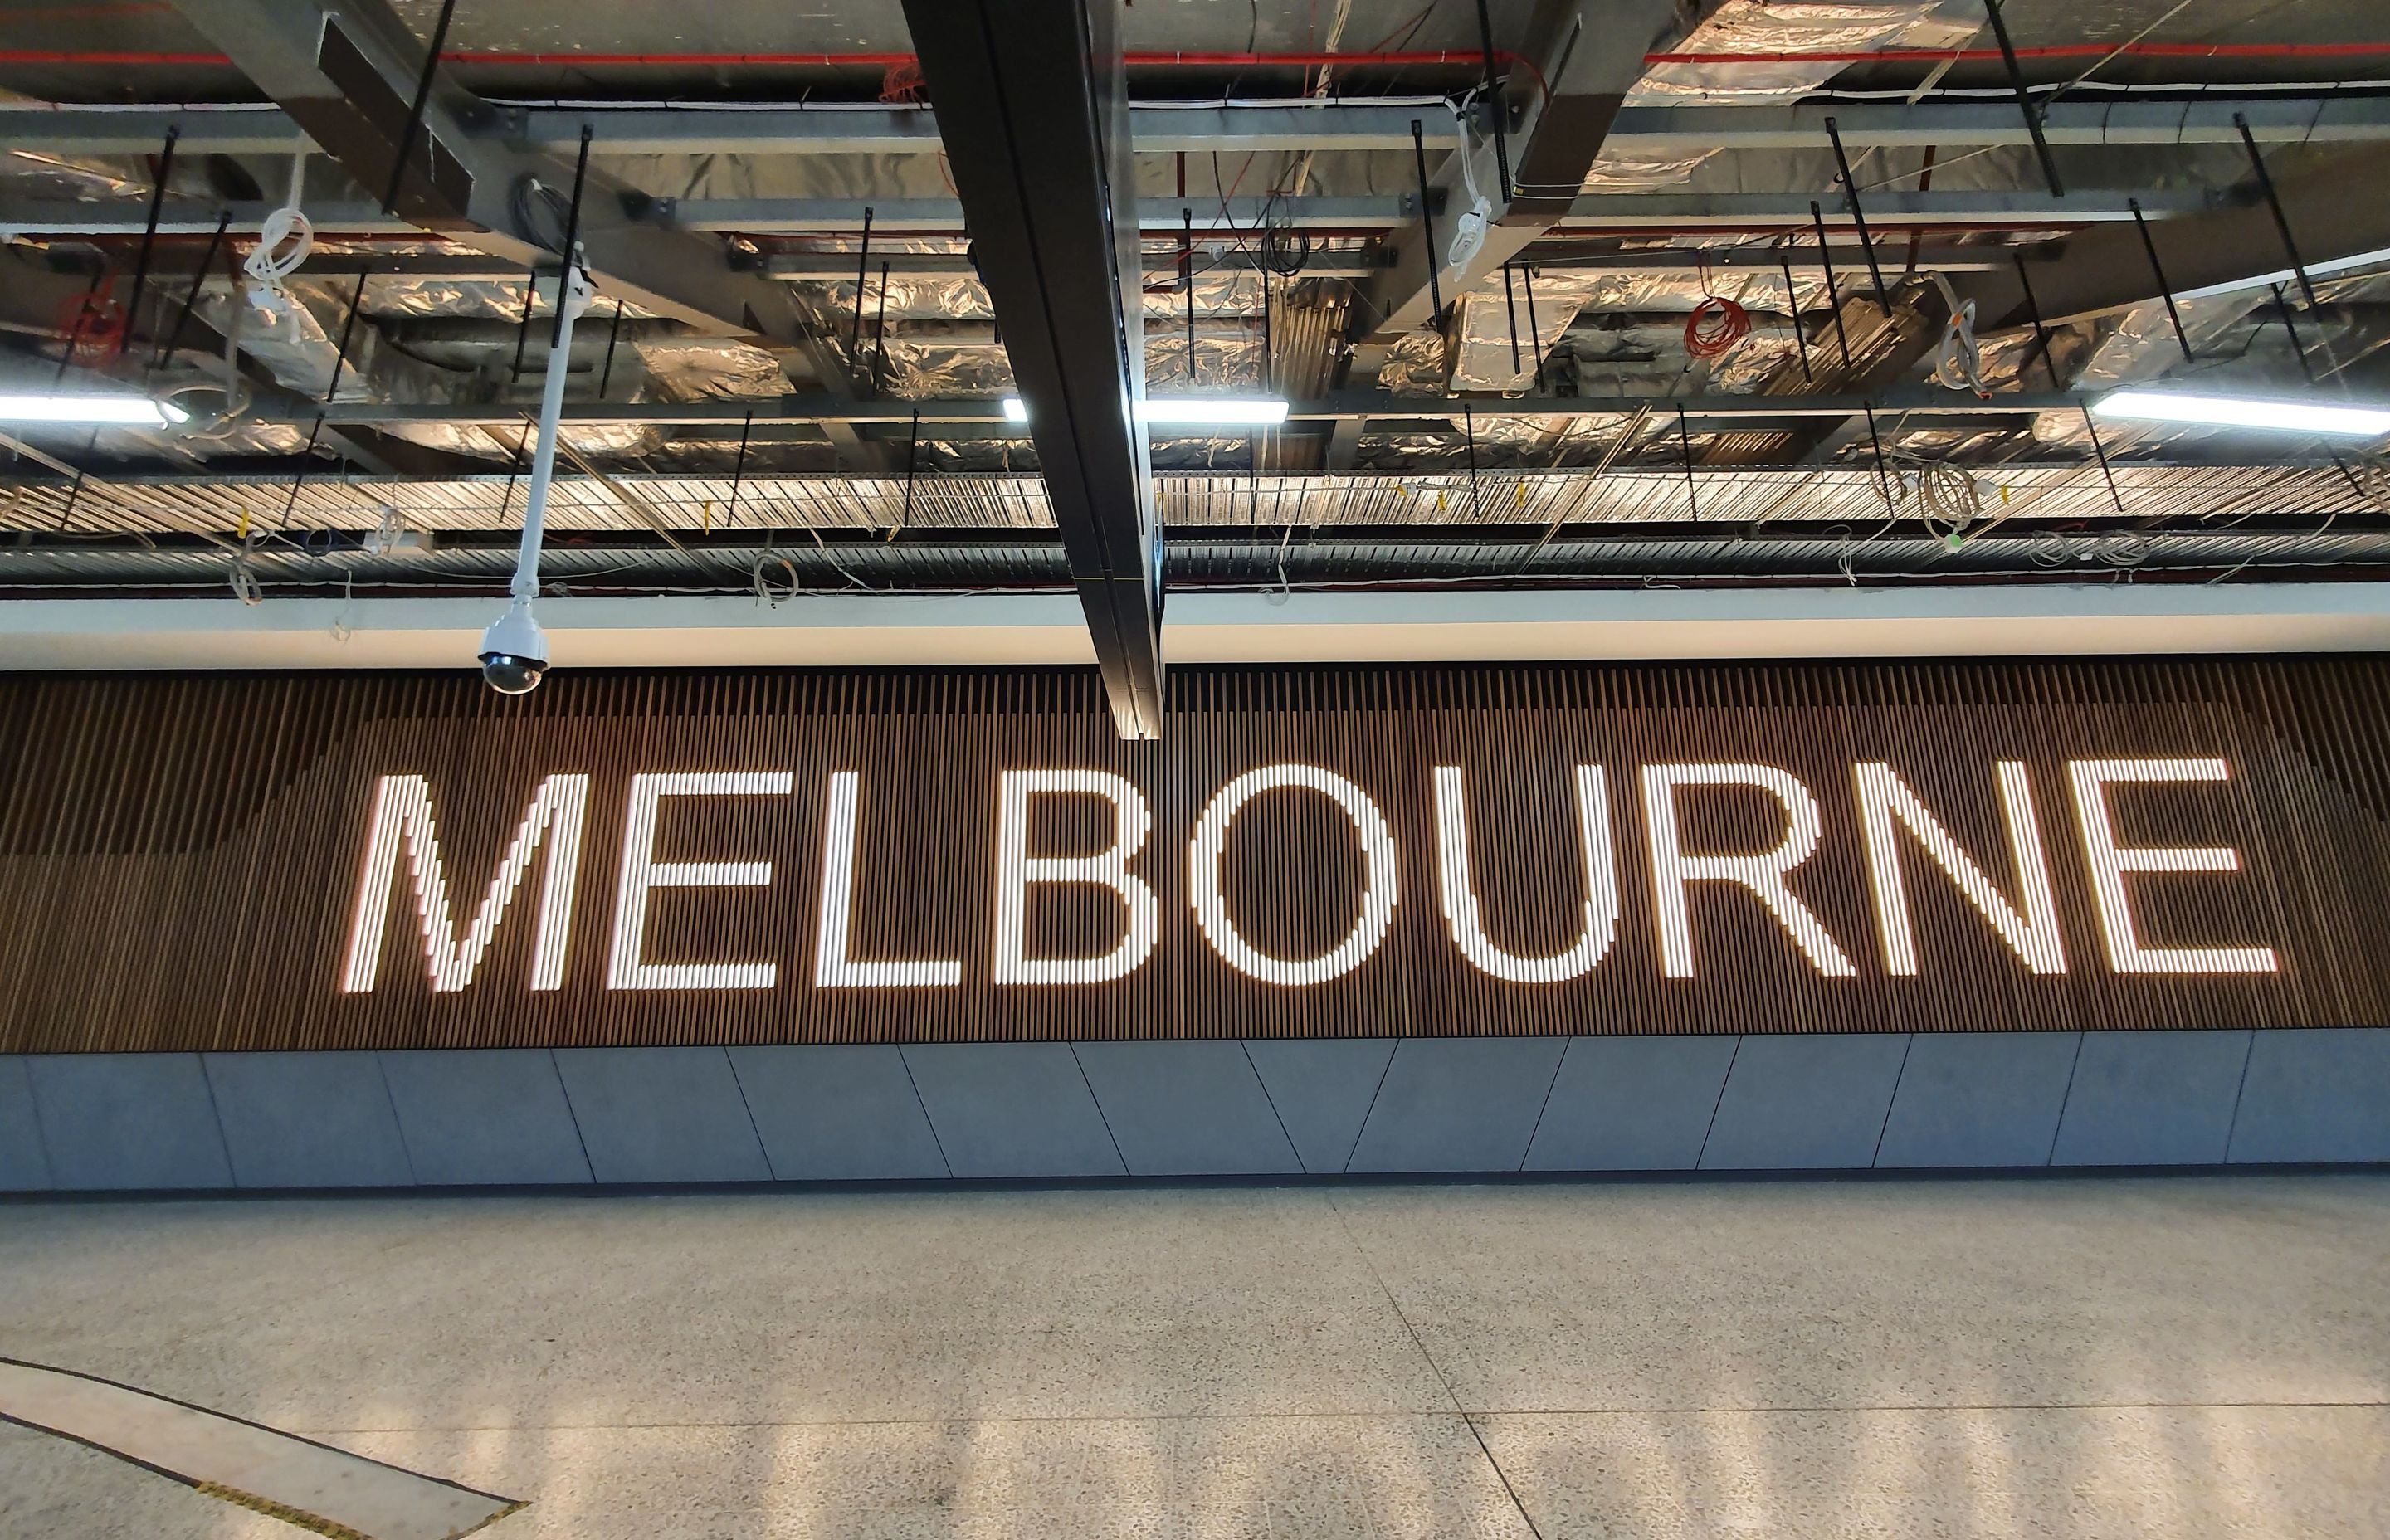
413 125
1427 228
862 284
571 244
2040 330
199 280
1494 103
1685 443
2274 203
1510 308
1833 291
2157 271
613 338
879 339
1858 215
1032 105
149 239
2026 104
1535 331
1793 308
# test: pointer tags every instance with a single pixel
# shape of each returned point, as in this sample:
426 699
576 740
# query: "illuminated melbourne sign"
1902 834
973 855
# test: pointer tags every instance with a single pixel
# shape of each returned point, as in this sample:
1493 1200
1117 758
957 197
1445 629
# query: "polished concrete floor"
2157 1357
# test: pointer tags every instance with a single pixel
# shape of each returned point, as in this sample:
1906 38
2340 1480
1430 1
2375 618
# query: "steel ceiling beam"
347 76
1031 103
1315 123
2274 119
665 219
1994 208
1587 57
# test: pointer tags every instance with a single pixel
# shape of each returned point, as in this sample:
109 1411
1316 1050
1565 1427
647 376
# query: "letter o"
1376 898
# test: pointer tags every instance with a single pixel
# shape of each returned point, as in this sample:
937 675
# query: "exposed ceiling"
1652 370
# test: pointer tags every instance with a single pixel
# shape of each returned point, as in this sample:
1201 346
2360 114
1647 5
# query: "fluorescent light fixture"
1195 411
2289 416
89 410
1190 411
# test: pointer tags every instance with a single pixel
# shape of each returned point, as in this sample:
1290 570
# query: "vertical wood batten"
179 854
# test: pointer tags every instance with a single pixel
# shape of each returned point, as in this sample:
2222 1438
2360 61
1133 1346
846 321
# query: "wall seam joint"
1890 1102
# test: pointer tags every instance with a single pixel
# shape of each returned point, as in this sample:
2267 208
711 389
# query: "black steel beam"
349 74
1032 106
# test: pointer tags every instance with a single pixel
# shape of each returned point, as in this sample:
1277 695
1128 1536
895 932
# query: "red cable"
1715 326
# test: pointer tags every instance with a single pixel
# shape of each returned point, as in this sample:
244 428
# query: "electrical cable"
284 243
766 593
1959 365
1716 324
1950 502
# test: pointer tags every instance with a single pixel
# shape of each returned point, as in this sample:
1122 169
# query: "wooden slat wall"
179 854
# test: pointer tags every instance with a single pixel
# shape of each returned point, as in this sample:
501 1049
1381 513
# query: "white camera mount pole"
572 297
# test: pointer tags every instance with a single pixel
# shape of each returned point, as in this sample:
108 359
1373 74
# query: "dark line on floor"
1434 1368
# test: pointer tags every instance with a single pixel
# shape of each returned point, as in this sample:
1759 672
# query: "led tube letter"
1016 869
2109 863
2034 935
1377 897
402 815
833 968
642 873
1597 928
1762 873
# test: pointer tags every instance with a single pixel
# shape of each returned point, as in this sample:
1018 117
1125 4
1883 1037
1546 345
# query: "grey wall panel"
128 1121
1809 1101
1189 1109
2316 1093
2152 1098
838 1113
1979 1099
1459 1104
662 1115
1321 1089
1012 1110
1631 1104
23 1167
484 1116
307 1120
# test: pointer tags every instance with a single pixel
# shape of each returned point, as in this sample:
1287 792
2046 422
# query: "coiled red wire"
1715 326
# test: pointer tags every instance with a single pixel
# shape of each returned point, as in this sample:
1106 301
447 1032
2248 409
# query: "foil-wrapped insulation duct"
1415 365
691 368
936 369
610 440
47 176
1307 335
298 345
397 295
1566 298
2240 346
1227 360
1744 29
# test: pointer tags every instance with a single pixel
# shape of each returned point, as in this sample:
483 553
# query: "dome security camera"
514 651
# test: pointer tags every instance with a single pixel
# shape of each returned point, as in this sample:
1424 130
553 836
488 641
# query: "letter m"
402 818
